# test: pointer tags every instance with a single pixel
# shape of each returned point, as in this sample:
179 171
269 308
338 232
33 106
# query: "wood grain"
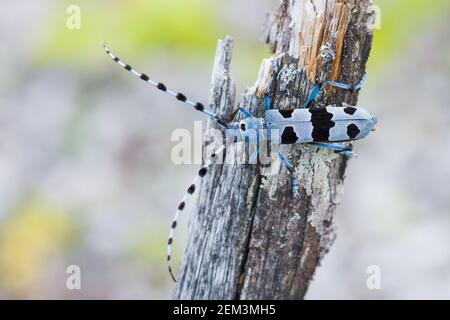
249 238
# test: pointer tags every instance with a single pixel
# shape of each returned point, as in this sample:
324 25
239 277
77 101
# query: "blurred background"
86 176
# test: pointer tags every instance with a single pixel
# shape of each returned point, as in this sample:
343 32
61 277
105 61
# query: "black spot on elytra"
144 77
288 136
191 189
181 97
161 86
168 259
174 225
286 113
128 67
243 127
199 106
181 206
170 241
116 59
321 123
353 131
350 110
202 172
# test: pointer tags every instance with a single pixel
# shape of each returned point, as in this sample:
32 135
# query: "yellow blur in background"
32 235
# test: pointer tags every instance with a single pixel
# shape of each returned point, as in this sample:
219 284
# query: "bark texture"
249 238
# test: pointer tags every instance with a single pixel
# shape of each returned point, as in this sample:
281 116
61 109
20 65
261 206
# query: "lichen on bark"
249 238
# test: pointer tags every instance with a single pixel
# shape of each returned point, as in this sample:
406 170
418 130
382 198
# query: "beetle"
320 126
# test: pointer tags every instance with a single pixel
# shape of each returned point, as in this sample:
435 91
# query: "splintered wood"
315 25
248 237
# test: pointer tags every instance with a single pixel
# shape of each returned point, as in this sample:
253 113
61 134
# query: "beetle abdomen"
330 124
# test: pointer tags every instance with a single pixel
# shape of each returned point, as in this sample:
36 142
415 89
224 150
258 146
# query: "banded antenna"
161 86
190 191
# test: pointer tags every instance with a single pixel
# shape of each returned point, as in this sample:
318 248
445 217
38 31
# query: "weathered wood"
248 237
